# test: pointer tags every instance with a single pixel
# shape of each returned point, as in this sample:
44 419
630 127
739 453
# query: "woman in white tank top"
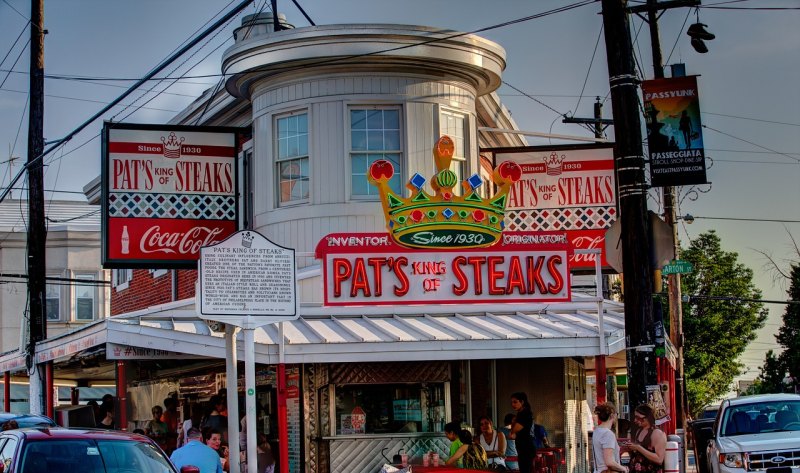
493 442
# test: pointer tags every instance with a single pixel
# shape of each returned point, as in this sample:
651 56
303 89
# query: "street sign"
247 277
677 267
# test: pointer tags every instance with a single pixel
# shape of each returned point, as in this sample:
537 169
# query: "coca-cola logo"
186 243
586 243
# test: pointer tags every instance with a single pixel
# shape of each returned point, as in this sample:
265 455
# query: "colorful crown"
444 219
553 163
172 146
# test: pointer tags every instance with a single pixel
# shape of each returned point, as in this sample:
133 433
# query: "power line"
63 97
688 217
751 119
751 143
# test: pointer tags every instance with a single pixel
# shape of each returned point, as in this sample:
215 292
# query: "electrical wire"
680 35
63 97
751 143
15 63
24 28
591 61
533 98
774 122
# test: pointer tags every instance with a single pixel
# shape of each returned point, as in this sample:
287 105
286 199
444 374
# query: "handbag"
497 467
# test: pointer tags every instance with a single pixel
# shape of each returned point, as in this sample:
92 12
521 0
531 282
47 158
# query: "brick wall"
145 291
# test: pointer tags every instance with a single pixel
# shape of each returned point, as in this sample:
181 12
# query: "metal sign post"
248 281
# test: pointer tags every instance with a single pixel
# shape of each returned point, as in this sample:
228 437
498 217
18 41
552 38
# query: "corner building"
322 104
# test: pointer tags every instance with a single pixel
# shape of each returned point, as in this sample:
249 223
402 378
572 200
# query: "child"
451 431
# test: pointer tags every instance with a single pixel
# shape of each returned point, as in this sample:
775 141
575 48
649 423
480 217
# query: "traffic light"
699 34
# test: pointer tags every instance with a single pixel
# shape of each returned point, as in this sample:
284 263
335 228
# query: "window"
121 278
454 125
85 298
53 301
157 273
374 135
390 408
292 162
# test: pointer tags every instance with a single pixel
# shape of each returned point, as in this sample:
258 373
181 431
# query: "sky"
748 87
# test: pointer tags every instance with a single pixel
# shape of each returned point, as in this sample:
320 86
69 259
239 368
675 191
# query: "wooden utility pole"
653 7
635 235
37 235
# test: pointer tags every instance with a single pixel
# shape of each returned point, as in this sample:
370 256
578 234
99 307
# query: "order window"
390 408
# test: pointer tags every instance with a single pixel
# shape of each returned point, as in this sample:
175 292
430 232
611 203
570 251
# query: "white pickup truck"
756 433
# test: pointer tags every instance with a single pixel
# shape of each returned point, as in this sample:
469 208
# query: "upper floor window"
374 135
292 162
454 125
121 278
85 298
53 301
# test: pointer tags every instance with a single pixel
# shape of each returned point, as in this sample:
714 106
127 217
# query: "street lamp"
688 218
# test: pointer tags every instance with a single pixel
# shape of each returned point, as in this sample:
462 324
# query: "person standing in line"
511 447
156 429
605 449
451 431
194 420
521 431
213 438
493 442
648 444
196 453
106 417
171 417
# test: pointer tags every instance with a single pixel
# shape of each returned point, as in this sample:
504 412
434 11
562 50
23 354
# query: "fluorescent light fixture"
102 384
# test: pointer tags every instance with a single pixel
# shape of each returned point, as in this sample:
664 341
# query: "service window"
390 408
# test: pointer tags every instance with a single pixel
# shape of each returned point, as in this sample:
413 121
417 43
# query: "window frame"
400 152
115 278
95 296
425 406
276 119
59 290
460 161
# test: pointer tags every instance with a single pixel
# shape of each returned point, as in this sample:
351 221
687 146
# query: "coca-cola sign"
167 192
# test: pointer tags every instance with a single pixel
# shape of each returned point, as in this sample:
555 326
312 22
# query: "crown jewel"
443 218
172 145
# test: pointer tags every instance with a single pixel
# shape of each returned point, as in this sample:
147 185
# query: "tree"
789 333
771 378
720 320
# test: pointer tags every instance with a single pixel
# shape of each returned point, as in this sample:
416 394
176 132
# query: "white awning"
408 333
412 333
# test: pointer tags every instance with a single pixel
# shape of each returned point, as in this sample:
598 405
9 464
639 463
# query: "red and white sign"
369 268
559 178
564 188
167 192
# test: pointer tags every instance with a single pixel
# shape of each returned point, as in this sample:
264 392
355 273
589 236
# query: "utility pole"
635 235
37 236
598 121
674 280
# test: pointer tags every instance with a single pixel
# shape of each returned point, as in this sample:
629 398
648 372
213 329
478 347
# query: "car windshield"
93 456
771 416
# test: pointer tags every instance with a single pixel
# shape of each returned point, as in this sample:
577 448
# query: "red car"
42 450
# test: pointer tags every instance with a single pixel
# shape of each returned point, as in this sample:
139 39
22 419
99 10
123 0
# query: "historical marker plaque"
248 275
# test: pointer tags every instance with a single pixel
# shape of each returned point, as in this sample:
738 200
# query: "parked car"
26 420
41 450
755 433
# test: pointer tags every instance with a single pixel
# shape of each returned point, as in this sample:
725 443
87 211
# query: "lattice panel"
400 372
186 206
363 455
576 436
593 218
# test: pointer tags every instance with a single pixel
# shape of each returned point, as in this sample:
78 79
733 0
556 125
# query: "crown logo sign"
172 146
247 240
554 163
444 219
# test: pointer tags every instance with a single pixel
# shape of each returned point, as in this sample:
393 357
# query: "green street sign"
677 267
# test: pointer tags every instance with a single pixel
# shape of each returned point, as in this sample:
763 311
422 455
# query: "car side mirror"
184 469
